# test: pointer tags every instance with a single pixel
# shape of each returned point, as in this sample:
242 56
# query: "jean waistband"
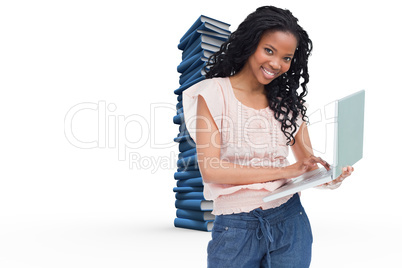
251 220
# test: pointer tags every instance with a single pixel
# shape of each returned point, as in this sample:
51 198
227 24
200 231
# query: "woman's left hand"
346 172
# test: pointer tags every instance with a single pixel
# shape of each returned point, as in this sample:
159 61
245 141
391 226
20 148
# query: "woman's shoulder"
213 82
212 91
215 85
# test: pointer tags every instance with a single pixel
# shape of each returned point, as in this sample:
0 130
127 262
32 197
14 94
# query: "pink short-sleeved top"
248 137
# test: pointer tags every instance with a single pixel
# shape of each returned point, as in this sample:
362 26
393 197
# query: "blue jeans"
277 237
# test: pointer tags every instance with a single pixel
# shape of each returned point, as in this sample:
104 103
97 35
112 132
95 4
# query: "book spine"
190 195
188 40
186 145
187 174
195 64
178 119
187 77
188 189
193 204
188 153
198 74
193 224
195 215
187 85
184 65
190 48
195 182
187 161
195 25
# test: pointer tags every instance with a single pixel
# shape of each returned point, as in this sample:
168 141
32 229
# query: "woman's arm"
215 170
302 150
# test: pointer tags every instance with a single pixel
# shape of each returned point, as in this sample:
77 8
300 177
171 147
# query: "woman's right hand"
305 165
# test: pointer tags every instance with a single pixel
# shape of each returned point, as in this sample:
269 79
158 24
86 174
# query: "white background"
65 206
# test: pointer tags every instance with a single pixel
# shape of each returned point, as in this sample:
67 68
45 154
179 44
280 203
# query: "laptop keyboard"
311 175
319 172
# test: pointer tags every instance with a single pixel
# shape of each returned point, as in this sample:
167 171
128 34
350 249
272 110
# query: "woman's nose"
275 65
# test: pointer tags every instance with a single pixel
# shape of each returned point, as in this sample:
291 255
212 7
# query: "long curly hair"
283 98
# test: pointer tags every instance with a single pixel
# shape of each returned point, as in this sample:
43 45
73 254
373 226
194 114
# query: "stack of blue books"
201 40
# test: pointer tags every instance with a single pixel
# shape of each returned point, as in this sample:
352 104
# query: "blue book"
195 65
204 38
190 195
178 119
196 75
188 189
196 48
195 59
216 23
199 70
183 138
210 27
183 133
193 224
189 168
179 111
187 161
205 54
182 127
193 182
186 175
186 145
187 85
187 153
195 215
196 34
194 204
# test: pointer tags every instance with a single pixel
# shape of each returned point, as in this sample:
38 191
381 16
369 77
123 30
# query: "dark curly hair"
281 93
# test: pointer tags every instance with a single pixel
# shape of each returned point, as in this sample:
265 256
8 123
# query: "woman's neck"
245 81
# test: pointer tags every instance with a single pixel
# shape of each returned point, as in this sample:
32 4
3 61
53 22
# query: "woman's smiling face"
272 57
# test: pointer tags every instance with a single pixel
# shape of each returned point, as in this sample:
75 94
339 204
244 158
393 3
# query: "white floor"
99 214
123 240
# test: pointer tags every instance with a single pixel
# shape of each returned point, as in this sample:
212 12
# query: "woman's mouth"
268 74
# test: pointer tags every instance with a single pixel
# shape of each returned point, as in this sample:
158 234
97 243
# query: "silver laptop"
348 147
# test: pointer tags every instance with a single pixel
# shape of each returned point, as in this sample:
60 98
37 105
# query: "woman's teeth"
267 72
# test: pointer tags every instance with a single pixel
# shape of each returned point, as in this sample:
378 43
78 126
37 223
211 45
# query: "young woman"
246 114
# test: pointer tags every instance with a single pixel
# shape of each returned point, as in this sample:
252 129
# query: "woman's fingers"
313 159
346 172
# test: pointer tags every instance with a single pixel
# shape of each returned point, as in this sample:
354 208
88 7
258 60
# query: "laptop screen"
349 131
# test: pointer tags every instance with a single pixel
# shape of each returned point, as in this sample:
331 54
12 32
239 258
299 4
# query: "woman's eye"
288 59
269 51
